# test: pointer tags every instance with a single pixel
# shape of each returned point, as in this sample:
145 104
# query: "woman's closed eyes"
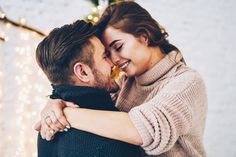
118 48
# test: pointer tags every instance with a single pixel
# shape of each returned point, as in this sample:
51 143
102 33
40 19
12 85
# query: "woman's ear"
83 72
144 39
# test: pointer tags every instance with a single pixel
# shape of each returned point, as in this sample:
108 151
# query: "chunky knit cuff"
160 122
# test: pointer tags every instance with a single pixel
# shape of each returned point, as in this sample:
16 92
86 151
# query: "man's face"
102 68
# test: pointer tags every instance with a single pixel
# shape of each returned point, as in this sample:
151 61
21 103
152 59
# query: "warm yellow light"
94 9
90 17
8 25
27 95
22 21
95 19
33 33
6 38
99 7
3 36
2 15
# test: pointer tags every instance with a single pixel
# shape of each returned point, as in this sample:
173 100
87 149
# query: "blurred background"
203 30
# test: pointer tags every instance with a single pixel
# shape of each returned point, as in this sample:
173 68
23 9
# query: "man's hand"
53 119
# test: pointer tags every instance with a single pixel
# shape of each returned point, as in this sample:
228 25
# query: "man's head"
72 54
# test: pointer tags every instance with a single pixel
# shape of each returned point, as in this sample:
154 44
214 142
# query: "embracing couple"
158 108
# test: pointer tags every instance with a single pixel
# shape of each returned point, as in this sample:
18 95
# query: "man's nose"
110 62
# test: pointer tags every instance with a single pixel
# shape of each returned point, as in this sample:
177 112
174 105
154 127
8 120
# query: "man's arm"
110 124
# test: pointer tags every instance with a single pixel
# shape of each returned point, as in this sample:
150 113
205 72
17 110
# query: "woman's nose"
115 58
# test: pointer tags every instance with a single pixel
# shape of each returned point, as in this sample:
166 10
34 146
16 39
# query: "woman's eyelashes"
118 47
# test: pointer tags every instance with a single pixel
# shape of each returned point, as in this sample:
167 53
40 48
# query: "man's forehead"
95 40
98 46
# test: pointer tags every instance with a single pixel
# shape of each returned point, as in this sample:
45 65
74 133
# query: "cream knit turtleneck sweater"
168 106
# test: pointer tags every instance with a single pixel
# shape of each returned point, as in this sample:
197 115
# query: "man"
75 62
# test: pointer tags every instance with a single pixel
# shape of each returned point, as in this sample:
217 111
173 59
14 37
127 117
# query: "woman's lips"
124 65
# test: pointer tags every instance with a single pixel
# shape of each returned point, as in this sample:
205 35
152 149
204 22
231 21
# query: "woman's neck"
156 56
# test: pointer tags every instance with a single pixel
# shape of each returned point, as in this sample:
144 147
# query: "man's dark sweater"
77 143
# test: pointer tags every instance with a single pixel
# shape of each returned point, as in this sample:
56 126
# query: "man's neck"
85 97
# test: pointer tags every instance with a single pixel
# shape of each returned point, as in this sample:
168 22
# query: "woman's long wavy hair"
130 17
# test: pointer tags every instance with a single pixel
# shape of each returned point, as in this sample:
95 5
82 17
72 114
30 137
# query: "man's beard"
104 82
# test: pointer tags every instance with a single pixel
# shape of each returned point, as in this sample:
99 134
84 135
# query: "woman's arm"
110 124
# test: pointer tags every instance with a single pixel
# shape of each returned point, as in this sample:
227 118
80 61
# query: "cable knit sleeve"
168 115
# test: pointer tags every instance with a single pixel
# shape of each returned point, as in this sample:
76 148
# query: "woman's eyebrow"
113 42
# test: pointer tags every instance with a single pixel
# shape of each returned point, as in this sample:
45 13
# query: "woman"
163 101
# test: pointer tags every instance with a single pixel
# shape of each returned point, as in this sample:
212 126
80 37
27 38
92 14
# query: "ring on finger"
46 117
48 120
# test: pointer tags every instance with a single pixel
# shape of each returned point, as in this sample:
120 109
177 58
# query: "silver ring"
47 117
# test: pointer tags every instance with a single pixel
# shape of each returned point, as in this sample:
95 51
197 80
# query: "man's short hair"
57 53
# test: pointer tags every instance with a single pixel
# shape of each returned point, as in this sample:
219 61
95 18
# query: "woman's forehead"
110 34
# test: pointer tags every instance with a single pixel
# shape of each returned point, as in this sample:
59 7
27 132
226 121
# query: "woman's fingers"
56 121
49 135
37 126
51 125
43 130
52 115
61 119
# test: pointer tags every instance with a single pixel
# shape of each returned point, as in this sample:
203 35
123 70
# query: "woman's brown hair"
131 18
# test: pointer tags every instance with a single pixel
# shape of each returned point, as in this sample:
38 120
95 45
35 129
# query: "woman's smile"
123 66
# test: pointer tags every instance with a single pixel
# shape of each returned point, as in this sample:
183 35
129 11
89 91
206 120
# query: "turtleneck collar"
85 97
160 69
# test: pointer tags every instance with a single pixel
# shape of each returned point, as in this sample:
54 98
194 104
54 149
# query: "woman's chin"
129 74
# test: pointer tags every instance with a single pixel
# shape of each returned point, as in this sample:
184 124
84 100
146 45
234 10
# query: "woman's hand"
53 116
53 119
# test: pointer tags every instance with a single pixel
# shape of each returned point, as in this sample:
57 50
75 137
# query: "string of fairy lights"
21 23
93 17
29 92
19 139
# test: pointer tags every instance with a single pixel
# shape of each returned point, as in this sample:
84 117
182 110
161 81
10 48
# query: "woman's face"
130 54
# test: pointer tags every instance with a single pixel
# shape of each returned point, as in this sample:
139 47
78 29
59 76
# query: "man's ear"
82 72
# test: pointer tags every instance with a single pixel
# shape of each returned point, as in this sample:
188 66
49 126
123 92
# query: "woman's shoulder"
184 78
188 74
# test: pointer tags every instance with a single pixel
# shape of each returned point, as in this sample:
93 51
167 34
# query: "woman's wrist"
69 112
